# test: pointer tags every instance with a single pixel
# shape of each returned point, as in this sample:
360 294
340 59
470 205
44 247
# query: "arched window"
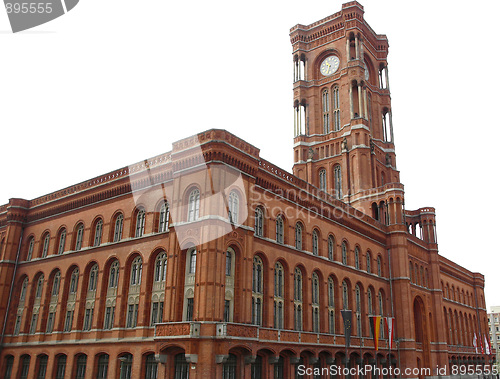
140 222
102 366
259 222
315 239
315 302
234 204
229 263
94 271
151 367
322 180
356 257
331 305
61 366
62 242
24 287
192 261
79 237
345 295
331 248
73 284
279 230
136 272
39 287
126 366
194 205
344 253
46 242
81 366
326 111
31 246
113 274
117 235
336 109
279 276
98 233
368 262
163 218
56 284
358 311
337 176
379 266
257 290
297 290
298 236
369 296
161 267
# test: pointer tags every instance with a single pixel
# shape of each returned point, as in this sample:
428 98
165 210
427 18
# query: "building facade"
210 262
494 325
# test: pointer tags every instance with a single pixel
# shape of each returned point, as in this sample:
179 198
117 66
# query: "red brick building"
210 262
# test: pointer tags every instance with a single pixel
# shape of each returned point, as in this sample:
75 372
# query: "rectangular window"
50 322
227 310
190 309
68 322
34 320
109 317
154 313
87 322
17 327
130 316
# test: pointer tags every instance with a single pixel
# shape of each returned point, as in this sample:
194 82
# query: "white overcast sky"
114 82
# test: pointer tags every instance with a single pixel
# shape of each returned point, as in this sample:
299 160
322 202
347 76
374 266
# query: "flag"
389 328
487 346
474 342
347 317
481 342
375 328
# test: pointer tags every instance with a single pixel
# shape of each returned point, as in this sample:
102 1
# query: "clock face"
329 65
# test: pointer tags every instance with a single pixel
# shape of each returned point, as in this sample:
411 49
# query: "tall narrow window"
136 272
279 230
73 284
344 253
259 222
62 241
331 248
151 367
358 312
140 222
336 109
326 111
42 366
98 233
102 366
379 266
315 302
113 274
94 271
55 284
163 218
297 289
161 267
315 239
39 287
337 174
322 180
298 236
61 366
81 366
192 261
79 237
25 366
46 241
190 309
229 259
24 287
194 205
279 276
233 207
117 235
257 290
9 363
368 262
356 257
345 295
331 305
31 246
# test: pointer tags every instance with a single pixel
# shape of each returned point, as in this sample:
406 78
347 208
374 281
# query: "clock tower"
343 133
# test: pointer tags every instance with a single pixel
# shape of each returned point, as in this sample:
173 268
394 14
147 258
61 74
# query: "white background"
114 82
